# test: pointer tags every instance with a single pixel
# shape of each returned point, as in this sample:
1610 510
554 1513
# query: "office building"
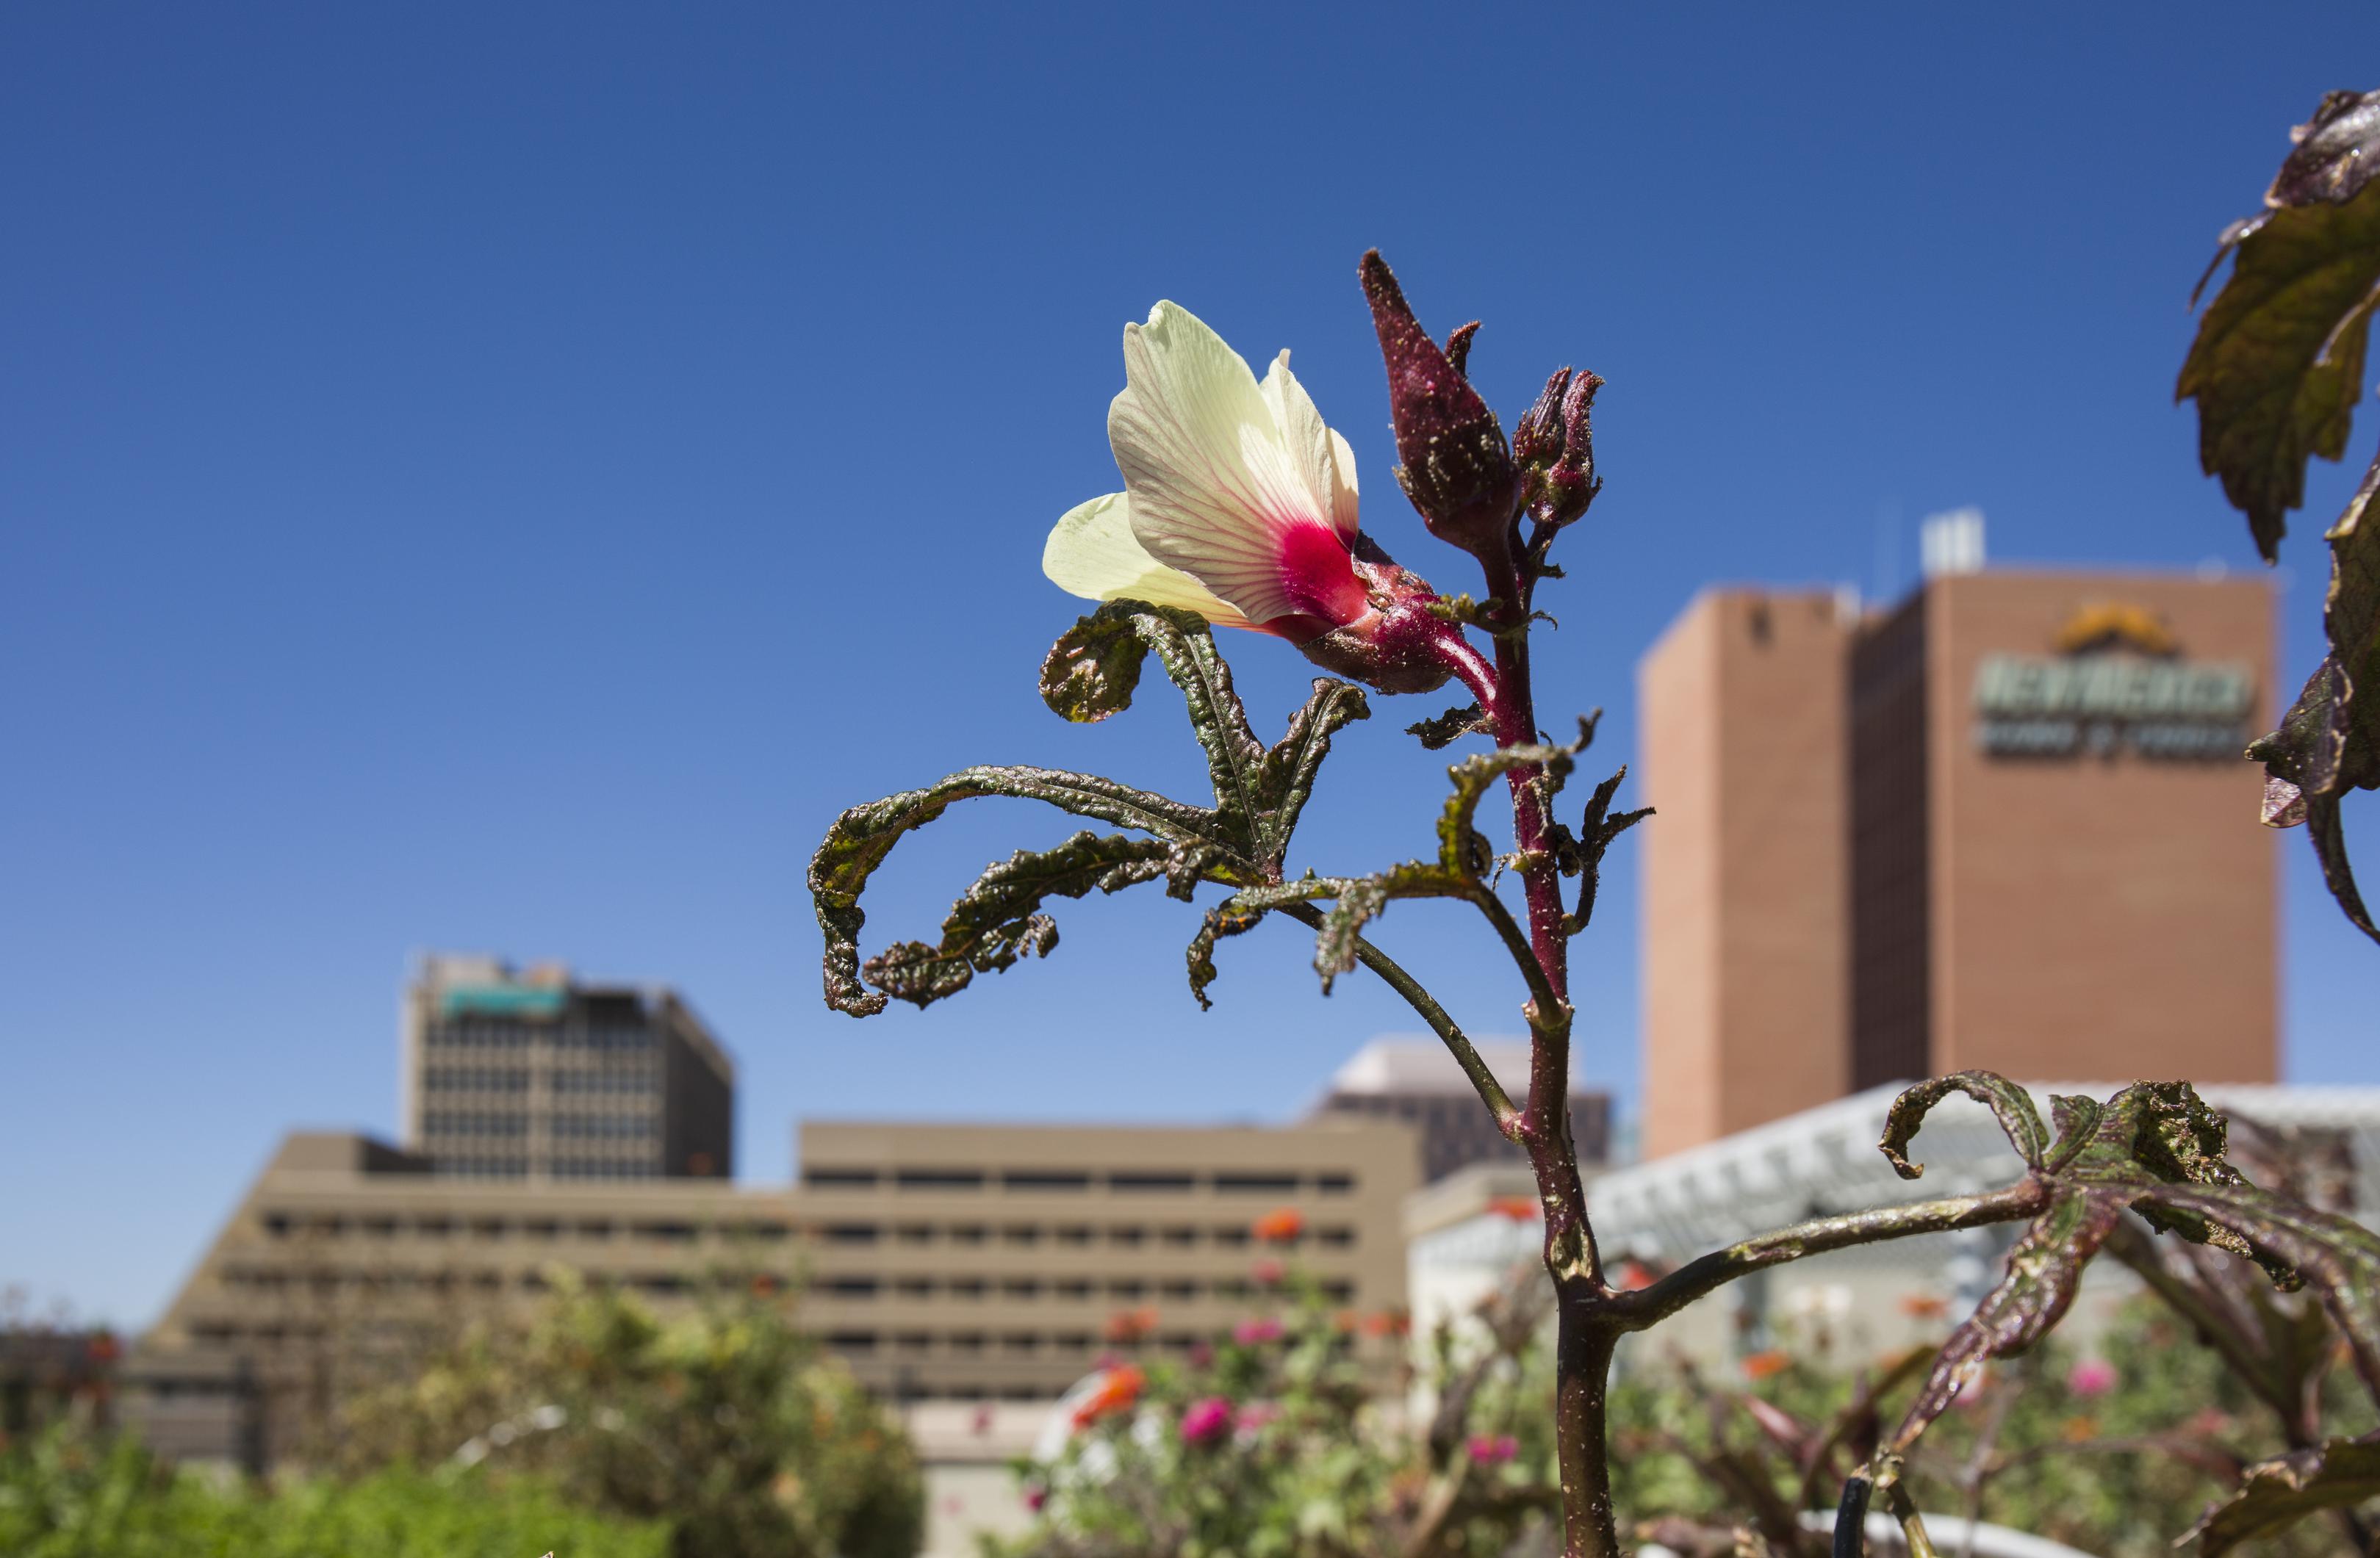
514 1074
941 1261
1418 1081
2005 824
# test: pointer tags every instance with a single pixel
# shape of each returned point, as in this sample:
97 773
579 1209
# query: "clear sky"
504 477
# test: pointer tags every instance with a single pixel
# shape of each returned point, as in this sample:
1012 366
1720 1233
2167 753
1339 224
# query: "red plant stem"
1587 1331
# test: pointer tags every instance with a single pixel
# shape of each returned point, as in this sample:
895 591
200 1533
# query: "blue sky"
503 478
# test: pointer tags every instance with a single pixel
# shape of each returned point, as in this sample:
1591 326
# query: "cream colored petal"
1319 455
1092 552
1213 488
1343 486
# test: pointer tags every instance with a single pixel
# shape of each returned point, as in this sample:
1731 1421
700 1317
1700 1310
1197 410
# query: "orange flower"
2079 1430
1761 1365
1280 1226
1518 1209
1633 1275
1924 1306
1131 1325
1388 1322
1118 1391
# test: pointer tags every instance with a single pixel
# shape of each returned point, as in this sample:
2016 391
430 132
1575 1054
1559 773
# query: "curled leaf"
2275 1494
1447 729
998 921
2009 1103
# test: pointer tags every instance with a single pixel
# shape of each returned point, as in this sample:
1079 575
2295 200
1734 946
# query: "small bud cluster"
1555 446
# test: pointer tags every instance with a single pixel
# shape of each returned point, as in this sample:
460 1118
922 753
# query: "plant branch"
1491 1092
1698 1278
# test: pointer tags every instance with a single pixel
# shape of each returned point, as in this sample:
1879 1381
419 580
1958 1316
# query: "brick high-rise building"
2003 825
518 1073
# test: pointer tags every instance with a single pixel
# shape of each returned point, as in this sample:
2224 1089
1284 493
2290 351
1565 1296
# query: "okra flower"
1240 505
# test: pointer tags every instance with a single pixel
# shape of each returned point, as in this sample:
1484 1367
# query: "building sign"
2121 684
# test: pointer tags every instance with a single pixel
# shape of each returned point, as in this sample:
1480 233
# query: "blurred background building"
514 1074
2004 824
1418 1081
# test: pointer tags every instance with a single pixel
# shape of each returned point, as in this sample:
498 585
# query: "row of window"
1265 1183
466 1034
473 1122
474 1079
912 1344
473 1166
617 1127
1179 1236
285 1225
1231 1235
610 1078
968 1289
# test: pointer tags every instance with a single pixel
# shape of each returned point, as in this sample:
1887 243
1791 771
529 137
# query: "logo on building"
2117 683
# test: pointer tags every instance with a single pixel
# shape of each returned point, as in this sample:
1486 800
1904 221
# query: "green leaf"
2329 741
1092 669
2278 364
2275 1494
1448 728
1285 779
2157 1149
998 921
860 838
1218 924
2009 1103
1459 850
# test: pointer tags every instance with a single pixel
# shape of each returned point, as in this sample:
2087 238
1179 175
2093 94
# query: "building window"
967 1288
939 1178
1180 1236
1128 1237
1021 1233
851 1233
1076 1235
969 1233
840 1179
852 1341
1020 1287
915 1288
1336 1237
1122 1181
1334 1184
849 1286
917 1233
1046 1179
1266 1184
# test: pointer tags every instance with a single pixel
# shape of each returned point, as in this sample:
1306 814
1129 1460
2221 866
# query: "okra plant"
1239 510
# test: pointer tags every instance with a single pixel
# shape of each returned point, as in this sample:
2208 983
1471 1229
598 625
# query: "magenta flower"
1206 1420
2093 1376
1035 1497
1494 1449
1250 1332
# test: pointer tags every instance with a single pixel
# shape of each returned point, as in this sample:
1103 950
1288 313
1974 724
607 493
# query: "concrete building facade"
2005 824
944 1262
523 1073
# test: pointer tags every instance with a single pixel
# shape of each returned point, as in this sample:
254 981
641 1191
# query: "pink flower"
1256 1415
1493 1449
1239 504
2093 1376
1268 1273
1206 1420
1248 1333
